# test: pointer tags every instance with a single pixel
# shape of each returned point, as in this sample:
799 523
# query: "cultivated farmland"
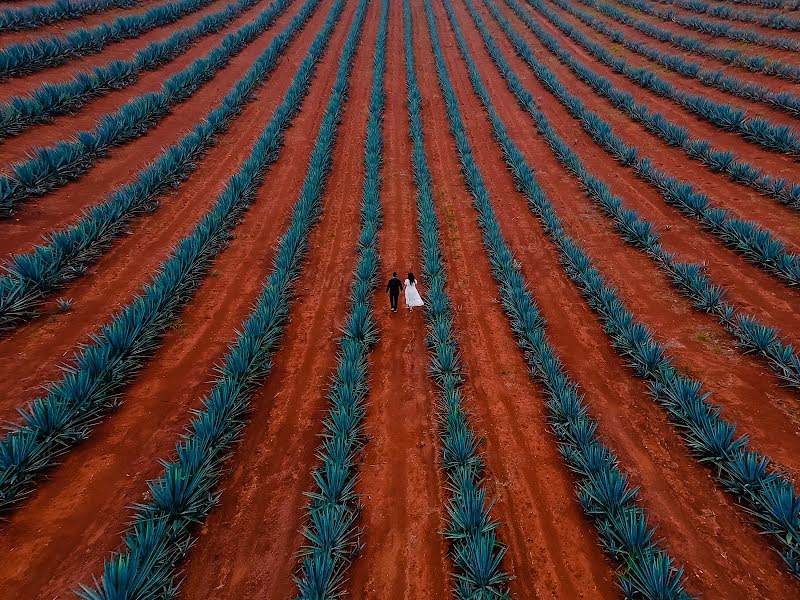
207 396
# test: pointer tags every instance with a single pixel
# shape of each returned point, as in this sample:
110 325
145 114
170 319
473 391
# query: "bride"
412 295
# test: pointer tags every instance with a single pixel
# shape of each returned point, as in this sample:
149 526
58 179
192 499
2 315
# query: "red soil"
401 485
57 540
248 546
64 27
119 51
687 502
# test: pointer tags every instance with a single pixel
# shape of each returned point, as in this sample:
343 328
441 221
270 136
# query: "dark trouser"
393 297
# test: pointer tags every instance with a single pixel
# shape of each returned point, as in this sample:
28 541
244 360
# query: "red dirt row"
248 546
119 51
64 27
689 511
404 557
123 451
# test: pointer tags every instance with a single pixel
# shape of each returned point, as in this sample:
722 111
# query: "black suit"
393 287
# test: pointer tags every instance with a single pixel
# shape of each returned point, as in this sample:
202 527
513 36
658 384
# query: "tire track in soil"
56 536
404 555
63 127
118 51
777 164
112 282
749 285
65 27
37 216
552 549
248 546
702 528
692 85
742 383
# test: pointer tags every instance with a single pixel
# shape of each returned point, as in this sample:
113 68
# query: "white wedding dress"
412 295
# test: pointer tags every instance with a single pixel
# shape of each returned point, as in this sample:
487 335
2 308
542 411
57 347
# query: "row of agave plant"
162 528
42 53
715 28
782 4
332 537
65 254
758 130
36 15
688 278
737 58
645 570
756 482
93 384
470 530
54 166
717 161
748 238
65 97
773 20
717 78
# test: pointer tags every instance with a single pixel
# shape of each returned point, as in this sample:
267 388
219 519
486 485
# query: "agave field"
205 394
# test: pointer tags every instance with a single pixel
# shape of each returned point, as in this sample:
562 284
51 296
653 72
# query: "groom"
393 287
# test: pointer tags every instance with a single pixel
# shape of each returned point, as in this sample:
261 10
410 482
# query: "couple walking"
409 285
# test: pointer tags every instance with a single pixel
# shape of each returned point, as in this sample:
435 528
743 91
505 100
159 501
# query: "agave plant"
602 487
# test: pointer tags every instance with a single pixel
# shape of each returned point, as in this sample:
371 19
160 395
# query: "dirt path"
691 515
249 545
58 540
404 555
49 340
